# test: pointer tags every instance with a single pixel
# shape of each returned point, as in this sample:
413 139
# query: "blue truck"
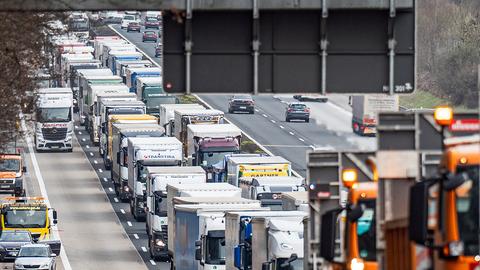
116 56
132 74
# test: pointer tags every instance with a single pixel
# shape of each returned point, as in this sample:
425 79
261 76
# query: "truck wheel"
70 150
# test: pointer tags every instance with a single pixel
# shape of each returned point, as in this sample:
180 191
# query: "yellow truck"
31 214
122 119
238 166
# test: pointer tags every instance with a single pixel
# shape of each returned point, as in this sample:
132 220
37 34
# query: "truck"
31 214
148 152
12 171
115 56
157 221
207 146
293 201
79 25
120 135
54 119
73 73
122 65
91 117
365 109
109 48
167 115
238 235
209 190
268 189
132 74
106 139
150 91
199 233
256 166
187 116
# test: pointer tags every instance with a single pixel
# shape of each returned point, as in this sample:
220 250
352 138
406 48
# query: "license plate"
5 186
55 147
243 107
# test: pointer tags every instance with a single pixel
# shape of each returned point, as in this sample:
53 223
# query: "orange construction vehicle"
11 174
452 200
360 228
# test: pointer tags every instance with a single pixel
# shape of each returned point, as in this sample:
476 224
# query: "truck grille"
164 233
54 134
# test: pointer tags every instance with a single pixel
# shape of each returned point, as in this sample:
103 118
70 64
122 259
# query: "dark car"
149 36
133 27
152 22
158 50
11 242
297 111
243 103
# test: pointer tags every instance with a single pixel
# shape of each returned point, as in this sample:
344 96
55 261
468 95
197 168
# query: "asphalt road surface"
329 128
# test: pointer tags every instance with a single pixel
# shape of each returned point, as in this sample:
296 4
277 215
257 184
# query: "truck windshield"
467 210
295 265
366 230
215 157
215 250
9 165
25 218
47 115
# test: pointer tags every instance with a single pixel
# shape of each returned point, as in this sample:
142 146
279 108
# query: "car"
126 20
298 111
149 36
241 103
11 241
152 22
158 50
133 27
35 256
314 98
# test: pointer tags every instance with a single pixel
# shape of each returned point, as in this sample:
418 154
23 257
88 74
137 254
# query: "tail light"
307 110
250 102
290 110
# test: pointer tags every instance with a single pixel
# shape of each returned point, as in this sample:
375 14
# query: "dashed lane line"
273 121
282 127
144 249
301 139
100 170
291 133
264 115
110 189
136 236
105 179
116 200
153 262
129 223
123 211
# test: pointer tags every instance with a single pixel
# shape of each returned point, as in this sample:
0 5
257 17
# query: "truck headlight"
356 264
159 243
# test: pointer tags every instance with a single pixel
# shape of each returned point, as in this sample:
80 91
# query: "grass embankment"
424 100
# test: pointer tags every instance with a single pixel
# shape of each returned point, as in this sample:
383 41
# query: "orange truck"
451 200
359 232
11 174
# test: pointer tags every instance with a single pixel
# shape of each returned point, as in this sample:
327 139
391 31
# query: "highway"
329 128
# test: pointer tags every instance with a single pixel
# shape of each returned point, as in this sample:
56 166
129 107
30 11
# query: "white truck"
208 190
120 134
115 47
270 242
82 76
157 221
207 146
365 109
122 65
238 235
256 166
292 201
143 153
188 116
199 232
167 115
54 119
268 190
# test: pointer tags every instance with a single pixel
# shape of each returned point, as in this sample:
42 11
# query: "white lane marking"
43 191
76 126
123 211
312 146
136 236
273 121
282 127
301 139
116 200
246 134
100 170
153 262
144 249
264 115
81 134
87 146
291 133
96 162
91 154
105 179
111 189
129 223
83 139
257 110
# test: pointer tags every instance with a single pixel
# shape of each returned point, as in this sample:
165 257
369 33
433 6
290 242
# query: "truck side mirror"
292 258
418 218
118 157
198 250
238 256
103 129
24 169
354 213
327 234
54 214
453 181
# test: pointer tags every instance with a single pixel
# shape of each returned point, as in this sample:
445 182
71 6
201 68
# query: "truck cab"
452 231
54 119
188 116
11 174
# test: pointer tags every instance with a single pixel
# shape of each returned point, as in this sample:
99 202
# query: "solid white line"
144 249
301 139
96 162
129 223
111 189
43 191
273 121
105 179
153 262
282 127
115 199
264 115
100 170
291 133
123 211
136 236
